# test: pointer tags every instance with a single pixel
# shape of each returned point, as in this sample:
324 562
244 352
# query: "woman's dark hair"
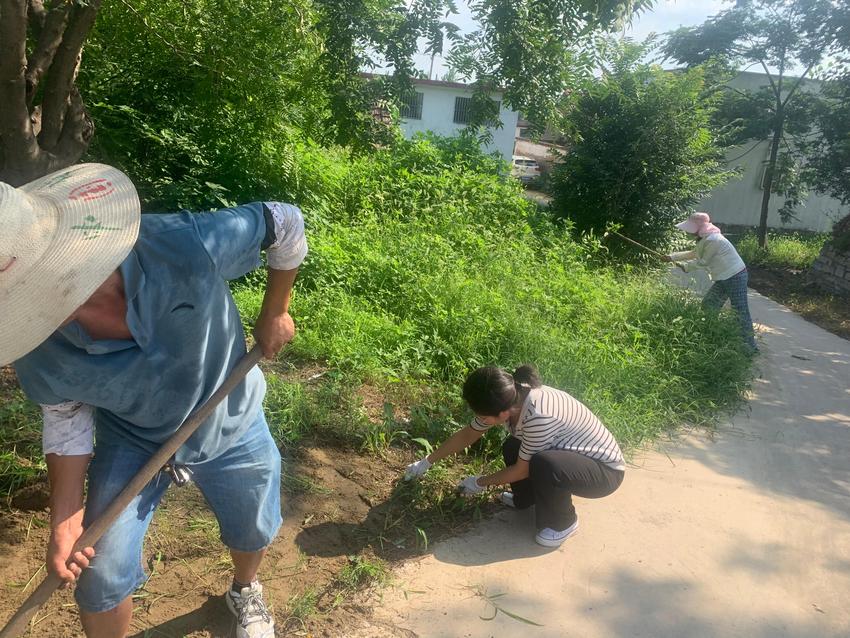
490 390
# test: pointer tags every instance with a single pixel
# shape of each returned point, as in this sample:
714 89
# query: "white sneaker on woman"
507 498
553 538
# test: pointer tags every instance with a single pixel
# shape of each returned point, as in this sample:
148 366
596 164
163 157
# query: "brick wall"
831 270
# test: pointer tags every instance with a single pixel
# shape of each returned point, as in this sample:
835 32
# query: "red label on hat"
96 189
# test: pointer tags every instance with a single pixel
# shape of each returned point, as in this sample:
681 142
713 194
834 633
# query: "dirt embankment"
338 504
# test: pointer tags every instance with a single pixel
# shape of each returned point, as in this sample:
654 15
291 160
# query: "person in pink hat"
716 254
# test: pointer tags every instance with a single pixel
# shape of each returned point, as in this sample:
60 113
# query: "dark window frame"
463 109
411 106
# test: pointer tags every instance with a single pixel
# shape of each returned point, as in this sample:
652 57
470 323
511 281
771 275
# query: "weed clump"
424 264
795 251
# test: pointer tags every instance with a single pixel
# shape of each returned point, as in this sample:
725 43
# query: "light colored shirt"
187 337
551 419
713 253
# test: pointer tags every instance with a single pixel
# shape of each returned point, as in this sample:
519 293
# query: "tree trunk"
41 43
769 174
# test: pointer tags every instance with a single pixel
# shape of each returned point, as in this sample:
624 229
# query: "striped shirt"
554 420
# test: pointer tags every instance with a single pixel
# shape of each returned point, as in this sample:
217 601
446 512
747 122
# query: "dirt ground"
795 289
338 504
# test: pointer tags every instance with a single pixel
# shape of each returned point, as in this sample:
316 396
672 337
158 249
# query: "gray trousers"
554 476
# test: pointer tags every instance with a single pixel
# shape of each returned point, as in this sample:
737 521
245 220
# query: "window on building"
411 105
463 110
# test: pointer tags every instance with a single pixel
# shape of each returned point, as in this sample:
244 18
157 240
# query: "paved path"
746 533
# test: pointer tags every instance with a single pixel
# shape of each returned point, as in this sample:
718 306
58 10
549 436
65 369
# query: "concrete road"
744 533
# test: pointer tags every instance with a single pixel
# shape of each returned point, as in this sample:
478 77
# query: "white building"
444 108
739 200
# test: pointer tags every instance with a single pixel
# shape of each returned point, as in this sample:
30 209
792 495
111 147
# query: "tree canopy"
200 66
781 38
641 149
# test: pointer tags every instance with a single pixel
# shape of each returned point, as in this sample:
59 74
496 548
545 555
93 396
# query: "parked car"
525 169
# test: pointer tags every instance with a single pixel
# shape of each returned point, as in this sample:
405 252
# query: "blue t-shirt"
187 337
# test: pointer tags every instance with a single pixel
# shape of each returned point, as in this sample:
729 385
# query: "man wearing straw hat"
122 324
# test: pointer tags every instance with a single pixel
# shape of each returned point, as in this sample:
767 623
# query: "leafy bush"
784 250
421 269
185 112
640 150
20 441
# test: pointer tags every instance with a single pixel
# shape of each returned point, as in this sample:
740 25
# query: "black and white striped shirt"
554 420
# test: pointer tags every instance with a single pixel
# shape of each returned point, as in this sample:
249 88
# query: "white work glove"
417 469
470 486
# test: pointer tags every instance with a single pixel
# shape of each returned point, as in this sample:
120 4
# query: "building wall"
438 105
739 200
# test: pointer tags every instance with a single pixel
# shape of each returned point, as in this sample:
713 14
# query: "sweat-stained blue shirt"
187 337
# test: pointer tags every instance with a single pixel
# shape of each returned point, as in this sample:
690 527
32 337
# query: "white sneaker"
553 538
253 619
507 498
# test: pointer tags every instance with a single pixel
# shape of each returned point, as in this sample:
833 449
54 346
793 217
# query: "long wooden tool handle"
646 248
19 622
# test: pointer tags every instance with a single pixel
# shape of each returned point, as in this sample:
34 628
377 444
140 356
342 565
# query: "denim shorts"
242 487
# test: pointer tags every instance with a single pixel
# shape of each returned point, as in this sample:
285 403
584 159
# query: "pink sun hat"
698 223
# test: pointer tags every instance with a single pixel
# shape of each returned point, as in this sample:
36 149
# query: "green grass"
422 268
21 460
420 271
363 572
795 251
303 606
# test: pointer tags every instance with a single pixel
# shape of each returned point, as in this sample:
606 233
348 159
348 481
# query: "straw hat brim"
95 215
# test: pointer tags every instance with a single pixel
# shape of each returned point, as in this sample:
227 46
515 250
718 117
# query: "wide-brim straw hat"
61 237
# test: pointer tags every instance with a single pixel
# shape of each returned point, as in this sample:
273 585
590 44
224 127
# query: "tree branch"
49 39
798 83
77 131
747 152
738 91
36 15
62 74
770 77
19 144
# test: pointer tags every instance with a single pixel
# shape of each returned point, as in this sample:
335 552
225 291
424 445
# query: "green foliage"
535 52
20 442
794 250
828 169
641 150
301 607
421 269
197 101
841 234
363 572
377 437
774 34
365 34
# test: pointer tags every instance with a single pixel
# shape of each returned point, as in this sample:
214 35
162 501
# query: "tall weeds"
426 263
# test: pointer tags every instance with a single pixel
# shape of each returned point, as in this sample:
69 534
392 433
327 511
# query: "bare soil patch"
338 504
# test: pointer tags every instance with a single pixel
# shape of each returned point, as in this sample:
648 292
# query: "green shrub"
785 250
641 151
20 442
421 269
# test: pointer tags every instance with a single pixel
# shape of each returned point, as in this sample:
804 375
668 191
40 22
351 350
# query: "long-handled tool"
639 245
18 623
